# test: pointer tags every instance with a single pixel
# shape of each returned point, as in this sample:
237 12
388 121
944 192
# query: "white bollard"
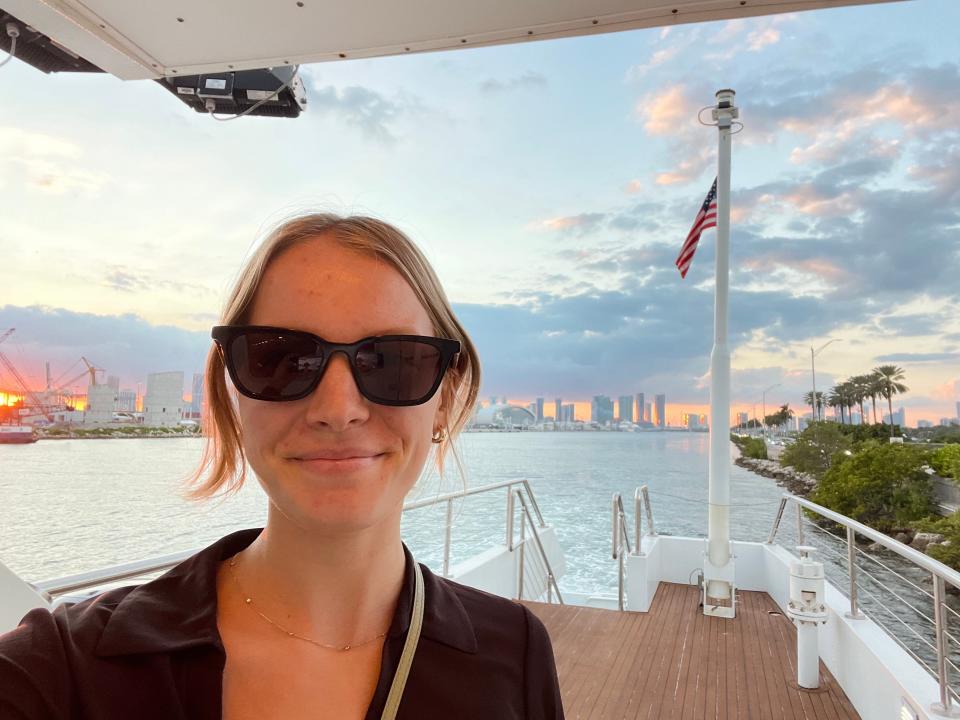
807 610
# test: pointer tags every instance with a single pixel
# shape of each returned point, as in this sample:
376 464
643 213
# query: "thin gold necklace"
289 633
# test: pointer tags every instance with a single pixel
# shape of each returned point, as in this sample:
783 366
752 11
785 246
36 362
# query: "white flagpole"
719 588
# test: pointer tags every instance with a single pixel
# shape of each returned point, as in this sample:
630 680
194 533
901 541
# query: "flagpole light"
813 374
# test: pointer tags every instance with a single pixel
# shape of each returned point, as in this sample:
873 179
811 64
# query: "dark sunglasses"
277 364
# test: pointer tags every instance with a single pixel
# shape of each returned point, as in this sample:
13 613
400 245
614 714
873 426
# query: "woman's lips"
340 465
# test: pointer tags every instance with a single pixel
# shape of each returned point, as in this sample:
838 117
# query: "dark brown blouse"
154 651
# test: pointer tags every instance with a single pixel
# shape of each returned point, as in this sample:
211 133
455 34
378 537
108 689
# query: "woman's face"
342 296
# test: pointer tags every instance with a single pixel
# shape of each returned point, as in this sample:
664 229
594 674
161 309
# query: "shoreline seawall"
796 482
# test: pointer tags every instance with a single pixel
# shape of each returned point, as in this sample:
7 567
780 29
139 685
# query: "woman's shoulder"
36 656
47 632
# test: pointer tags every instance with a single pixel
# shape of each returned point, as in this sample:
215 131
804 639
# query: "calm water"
73 505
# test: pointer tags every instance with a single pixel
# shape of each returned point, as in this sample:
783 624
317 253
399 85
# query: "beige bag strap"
409 648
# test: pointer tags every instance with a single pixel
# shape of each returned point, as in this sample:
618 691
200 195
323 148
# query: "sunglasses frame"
224 335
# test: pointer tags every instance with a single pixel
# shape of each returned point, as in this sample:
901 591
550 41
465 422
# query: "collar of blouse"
178 610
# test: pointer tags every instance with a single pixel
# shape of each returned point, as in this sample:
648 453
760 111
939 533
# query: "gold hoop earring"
439 438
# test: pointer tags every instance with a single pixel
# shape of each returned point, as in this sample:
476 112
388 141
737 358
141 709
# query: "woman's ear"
448 391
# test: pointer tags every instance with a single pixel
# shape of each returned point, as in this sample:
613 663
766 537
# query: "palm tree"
785 413
875 389
847 398
835 400
890 377
861 386
808 398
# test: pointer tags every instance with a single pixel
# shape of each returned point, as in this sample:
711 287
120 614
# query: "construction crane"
91 370
35 401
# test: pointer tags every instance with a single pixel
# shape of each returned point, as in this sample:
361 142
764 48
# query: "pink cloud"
810 201
663 112
817 267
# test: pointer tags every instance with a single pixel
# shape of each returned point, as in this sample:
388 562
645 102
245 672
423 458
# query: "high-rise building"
641 407
558 410
899 417
539 410
493 399
958 412
648 412
924 424
693 421
946 422
114 382
601 409
743 419
661 410
163 404
569 413
625 408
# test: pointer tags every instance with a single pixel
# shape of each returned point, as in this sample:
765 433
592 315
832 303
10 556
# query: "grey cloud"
651 335
918 357
125 345
910 325
124 279
369 111
527 80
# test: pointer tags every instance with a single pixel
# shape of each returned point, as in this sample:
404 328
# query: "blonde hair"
223 465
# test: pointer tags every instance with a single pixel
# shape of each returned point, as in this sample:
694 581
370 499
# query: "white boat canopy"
137 39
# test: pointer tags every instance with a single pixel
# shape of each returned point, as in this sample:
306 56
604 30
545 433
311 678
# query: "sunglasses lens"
398 370
274 366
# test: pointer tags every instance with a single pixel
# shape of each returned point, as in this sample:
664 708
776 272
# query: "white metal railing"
939 573
537 571
530 517
621 538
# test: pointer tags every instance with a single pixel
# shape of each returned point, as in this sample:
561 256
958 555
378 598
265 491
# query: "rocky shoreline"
796 482
115 434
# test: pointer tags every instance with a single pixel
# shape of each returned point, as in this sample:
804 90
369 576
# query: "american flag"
706 218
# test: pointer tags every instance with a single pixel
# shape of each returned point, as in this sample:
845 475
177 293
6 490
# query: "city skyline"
557 254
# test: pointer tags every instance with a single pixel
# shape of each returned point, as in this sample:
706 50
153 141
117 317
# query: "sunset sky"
551 184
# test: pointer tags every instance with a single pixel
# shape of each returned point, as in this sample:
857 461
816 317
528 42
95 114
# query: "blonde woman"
338 365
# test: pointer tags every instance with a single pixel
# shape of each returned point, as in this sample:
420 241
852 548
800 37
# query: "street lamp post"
763 399
813 375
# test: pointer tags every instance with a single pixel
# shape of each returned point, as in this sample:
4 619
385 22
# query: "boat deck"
655 664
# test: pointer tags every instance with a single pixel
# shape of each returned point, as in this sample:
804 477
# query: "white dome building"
504 416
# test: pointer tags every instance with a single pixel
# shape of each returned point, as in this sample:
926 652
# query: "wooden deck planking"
675 662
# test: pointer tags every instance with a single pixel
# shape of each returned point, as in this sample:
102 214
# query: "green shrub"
946 461
813 452
862 433
754 448
882 485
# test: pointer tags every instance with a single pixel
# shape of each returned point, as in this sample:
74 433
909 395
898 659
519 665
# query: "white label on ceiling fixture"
215 84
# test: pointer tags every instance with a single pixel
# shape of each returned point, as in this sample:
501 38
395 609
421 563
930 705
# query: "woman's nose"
336 402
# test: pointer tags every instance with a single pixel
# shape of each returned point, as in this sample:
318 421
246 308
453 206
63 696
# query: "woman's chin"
335 510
